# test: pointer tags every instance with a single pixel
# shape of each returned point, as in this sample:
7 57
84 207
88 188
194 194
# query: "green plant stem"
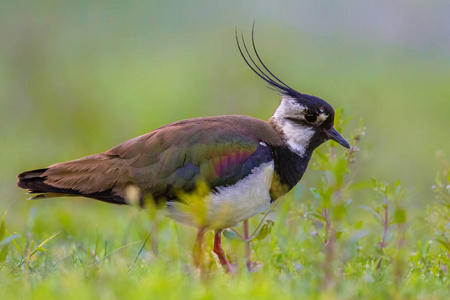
248 262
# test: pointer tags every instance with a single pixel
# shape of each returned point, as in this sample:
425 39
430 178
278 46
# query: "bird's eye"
310 117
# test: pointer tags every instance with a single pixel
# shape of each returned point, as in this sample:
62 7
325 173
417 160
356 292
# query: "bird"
235 165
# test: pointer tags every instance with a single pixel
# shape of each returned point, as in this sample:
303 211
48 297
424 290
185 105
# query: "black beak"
337 137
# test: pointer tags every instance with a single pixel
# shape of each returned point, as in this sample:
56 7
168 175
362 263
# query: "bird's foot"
222 260
197 249
253 266
220 254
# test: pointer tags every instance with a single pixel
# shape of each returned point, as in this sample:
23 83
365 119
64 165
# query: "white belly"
229 205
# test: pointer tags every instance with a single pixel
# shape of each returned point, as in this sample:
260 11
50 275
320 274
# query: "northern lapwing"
245 163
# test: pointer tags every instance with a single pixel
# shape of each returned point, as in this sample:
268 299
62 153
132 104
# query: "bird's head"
306 121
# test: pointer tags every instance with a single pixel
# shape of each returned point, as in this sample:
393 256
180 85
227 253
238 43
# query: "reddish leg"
219 251
197 250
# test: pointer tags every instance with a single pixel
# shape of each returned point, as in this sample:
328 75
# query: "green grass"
81 77
329 240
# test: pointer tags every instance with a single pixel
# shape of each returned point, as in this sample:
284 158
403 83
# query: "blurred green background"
79 77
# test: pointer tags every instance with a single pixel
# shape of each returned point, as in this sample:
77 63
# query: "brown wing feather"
36 183
95 173
147 161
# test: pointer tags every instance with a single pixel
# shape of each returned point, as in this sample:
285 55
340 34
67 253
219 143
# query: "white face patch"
288 108
322 117
297 136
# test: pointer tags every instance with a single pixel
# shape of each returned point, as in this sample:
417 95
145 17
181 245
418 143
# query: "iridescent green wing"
177 156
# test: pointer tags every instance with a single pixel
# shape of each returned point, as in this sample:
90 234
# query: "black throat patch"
289 169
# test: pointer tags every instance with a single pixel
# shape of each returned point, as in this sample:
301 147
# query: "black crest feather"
260 69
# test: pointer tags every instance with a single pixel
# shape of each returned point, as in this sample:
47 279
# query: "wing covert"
172 158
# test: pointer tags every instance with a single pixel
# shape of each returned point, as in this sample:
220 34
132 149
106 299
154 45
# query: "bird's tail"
91 177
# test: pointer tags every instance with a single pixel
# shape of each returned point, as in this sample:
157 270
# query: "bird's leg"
248 262
219 251
197 250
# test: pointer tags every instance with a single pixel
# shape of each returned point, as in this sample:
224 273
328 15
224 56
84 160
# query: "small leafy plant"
337 235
